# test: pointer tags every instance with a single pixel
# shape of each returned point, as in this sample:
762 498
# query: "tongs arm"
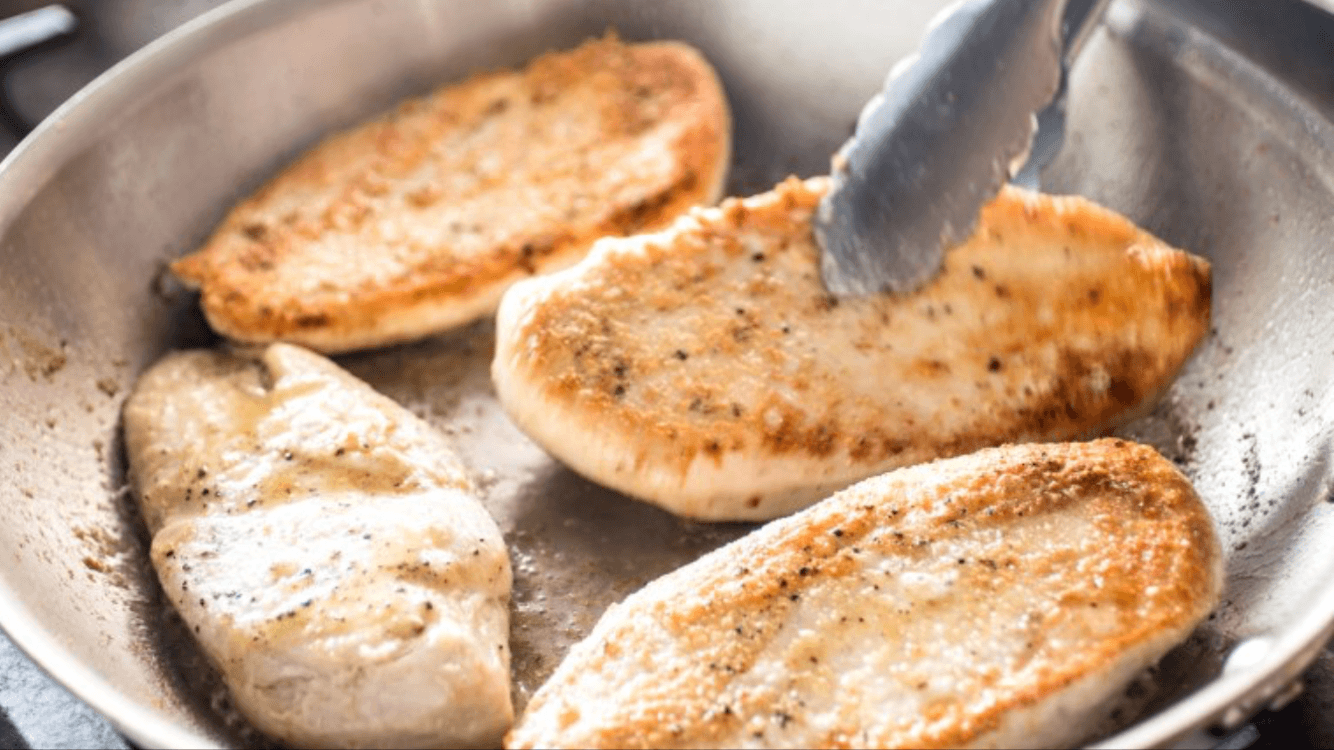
951 126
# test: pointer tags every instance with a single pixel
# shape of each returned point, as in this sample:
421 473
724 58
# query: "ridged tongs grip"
951 126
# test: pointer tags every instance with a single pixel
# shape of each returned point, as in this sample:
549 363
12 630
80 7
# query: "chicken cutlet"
998 599
417 221
326 549
707 370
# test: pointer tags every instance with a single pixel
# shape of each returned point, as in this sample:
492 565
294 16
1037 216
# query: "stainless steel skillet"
1208 123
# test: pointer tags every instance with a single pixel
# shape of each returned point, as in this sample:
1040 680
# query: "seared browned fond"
995 599
706 369
417 221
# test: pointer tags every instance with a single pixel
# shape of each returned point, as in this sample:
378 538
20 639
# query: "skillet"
1208 124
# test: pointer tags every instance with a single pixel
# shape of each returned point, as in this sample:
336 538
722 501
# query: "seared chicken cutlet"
417 222
326 549
705 368
991 600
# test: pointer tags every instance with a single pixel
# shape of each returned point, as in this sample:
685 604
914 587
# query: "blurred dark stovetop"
34 711
37 80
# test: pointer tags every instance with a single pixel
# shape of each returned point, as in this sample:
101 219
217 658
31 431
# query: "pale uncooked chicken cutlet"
326 549
417 221
705 368
999 599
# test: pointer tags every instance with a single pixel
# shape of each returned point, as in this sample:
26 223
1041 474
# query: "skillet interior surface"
1210 138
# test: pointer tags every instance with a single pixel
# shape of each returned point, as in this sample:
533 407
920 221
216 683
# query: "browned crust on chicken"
689 660
417 221
707 370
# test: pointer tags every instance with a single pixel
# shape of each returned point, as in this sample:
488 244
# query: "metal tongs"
952 125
